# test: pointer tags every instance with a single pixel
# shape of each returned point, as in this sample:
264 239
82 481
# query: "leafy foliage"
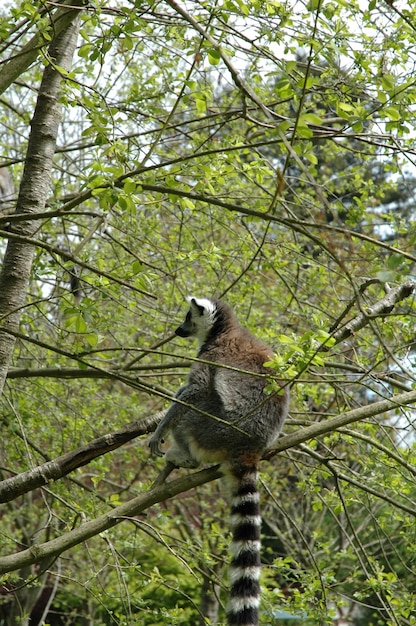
258 151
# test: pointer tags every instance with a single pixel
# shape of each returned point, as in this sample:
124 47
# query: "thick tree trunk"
17 264
18 63
34 190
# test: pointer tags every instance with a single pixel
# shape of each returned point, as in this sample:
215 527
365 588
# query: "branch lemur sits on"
248 423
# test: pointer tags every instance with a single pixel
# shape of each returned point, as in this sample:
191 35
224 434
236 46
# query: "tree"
264 153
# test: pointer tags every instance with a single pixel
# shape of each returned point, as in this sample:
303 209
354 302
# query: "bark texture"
13 487
18 63
34 190
43 553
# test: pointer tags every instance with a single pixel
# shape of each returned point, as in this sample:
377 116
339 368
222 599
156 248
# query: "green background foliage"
262 152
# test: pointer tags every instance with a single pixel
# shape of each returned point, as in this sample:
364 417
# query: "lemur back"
225 417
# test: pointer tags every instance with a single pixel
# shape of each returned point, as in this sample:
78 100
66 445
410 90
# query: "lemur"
227 383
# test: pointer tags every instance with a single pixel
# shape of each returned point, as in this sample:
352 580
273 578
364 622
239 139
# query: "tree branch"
44 551
39 476
322 428
34 190
380 309
77 373
63 465
20 61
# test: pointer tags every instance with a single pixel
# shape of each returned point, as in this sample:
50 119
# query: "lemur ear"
198 308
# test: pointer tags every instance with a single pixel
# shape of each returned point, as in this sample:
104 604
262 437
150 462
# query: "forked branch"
39 476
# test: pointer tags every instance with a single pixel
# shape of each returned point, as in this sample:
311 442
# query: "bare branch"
380 309
45 551
18 63
39 476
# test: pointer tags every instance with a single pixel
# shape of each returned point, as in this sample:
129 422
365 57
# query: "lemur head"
202 318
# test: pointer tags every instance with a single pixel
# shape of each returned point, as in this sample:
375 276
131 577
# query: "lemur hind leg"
180 456
163 474
175 457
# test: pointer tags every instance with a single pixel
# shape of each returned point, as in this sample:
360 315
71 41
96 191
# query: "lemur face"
199 320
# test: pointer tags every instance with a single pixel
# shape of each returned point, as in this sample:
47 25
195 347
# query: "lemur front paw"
154 445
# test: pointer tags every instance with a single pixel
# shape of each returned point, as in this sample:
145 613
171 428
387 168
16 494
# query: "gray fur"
224 416
248 419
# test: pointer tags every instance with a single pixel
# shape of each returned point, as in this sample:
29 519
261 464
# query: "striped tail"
243 607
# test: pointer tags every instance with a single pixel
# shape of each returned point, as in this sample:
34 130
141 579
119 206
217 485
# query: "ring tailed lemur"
248 422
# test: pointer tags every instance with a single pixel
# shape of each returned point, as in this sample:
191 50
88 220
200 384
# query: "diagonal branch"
313 431
380 309
21 61
41 475
50 549
55 547
55 469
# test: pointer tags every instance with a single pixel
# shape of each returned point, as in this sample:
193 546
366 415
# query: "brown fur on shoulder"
224 416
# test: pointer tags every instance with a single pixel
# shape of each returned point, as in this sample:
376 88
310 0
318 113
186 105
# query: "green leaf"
80 324
137 267
394 261
91 339
126 203
388 82
304 131
214 56
345 107
392 113
129 186
84 51
311 118
284 126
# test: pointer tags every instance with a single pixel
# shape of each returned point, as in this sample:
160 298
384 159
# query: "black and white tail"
243 607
